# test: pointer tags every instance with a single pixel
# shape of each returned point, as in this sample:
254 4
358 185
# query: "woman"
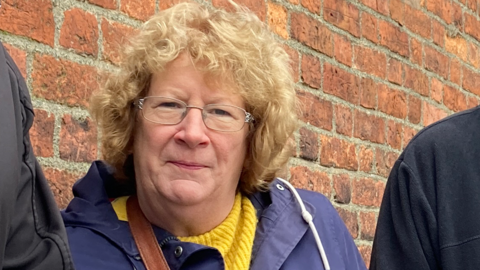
195 125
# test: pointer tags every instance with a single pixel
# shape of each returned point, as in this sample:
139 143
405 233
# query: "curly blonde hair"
234 45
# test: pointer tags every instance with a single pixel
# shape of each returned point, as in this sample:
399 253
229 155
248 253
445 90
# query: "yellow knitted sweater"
233 237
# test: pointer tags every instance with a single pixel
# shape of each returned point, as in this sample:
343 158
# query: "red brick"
369 27
311 71
340 83
416 80
392 37
343 188
343 50
370 61
397 11
472 26
110 4
436 61
338 153
61 183
472 102
438 33
79 31
385 161
367 192
418 22
277 19
315 111
303 177
395 71
414 109
457 45
432 114
472 4
416 49
436 90
350 220
114 35
365 157
392 102
164 4
63 81
342 14
138 9
41 133
378 5
394 134
308 144
457 16
19 57
295 2
33 19
257 7
368 93
343 120
471 81
369 127
313 6
441 8
456 72
366 253
295 60
463 2
408 134
473 54
311 33
454 99
368 221
78 140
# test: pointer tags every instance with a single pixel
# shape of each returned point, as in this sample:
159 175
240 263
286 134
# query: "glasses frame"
248 116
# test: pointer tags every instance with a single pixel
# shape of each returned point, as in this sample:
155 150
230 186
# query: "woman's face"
188 163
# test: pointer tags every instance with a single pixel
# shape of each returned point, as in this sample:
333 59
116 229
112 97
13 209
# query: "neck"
184 220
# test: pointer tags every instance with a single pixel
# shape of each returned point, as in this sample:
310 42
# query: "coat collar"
280 224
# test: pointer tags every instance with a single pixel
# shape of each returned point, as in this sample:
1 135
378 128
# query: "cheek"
234 150
145 141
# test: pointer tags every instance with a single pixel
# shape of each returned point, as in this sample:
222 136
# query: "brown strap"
145 239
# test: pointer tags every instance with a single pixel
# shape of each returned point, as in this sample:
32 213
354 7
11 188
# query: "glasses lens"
224 117
163 110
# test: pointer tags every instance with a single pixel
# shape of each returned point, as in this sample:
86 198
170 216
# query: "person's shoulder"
451 134
92 250
314 197
319 201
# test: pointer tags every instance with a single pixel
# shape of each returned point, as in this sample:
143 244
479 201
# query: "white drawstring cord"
309 219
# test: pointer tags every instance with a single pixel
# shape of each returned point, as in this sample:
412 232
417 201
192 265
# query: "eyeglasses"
171 111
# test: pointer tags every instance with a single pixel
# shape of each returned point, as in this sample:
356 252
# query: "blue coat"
98 240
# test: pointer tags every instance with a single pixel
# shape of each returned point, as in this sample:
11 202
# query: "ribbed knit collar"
233 237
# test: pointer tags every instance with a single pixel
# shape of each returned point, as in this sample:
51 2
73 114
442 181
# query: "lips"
188 165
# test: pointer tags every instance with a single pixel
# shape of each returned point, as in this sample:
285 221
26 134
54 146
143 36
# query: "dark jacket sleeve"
32 234
406 236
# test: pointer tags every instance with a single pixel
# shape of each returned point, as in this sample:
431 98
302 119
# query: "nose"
192 129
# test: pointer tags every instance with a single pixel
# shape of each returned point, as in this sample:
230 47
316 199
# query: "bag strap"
145 239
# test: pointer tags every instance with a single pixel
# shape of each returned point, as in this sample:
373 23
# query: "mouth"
188 165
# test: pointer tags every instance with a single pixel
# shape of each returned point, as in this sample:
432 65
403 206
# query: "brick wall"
370 74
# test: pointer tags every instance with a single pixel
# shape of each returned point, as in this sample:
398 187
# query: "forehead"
182 78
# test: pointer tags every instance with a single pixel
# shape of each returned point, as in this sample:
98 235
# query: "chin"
185 193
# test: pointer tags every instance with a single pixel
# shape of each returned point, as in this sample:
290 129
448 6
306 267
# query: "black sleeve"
32 235
406 235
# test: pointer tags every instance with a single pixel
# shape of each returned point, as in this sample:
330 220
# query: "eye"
219 112
167 105
170 105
